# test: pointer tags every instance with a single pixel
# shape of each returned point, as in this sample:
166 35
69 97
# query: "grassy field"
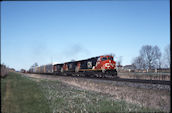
26 95
64 98
21 95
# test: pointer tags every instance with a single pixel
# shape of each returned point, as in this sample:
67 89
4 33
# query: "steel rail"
162 82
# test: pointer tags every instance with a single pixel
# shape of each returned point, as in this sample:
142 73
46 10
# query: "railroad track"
161 82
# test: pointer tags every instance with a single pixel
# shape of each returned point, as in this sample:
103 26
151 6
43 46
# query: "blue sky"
60 31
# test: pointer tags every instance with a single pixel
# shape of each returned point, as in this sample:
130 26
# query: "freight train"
100 66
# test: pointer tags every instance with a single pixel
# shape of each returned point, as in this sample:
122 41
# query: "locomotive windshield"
110 58
104 58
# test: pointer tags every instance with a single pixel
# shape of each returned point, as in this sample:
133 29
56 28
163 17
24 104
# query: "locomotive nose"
112 64
109 64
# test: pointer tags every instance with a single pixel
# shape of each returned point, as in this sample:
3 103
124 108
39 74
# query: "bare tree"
157 56
139 62
167 56
146 53
151 56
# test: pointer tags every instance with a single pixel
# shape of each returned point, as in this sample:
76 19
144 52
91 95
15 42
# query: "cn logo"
89 64
107 65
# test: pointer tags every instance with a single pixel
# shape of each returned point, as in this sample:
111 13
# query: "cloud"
74 50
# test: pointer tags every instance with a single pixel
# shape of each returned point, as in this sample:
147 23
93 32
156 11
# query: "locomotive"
100 66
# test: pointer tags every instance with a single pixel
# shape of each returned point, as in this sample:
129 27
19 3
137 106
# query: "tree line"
4 70
150 57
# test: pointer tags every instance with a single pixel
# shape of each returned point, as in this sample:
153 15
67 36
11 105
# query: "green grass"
21 95
64 98
25 95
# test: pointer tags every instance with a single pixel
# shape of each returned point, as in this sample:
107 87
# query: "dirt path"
7 90
5 100
159 99
6 106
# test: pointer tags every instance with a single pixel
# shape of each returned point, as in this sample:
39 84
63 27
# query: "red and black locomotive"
100 66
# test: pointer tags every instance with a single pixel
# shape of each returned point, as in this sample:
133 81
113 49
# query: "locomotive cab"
105 63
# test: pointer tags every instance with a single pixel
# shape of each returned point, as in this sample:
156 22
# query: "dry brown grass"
144 97
147 76
67 98
151 98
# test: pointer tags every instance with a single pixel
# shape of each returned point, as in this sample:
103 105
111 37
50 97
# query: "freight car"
100 66
43 69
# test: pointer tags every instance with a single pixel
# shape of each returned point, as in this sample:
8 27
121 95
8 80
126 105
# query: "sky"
61 31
